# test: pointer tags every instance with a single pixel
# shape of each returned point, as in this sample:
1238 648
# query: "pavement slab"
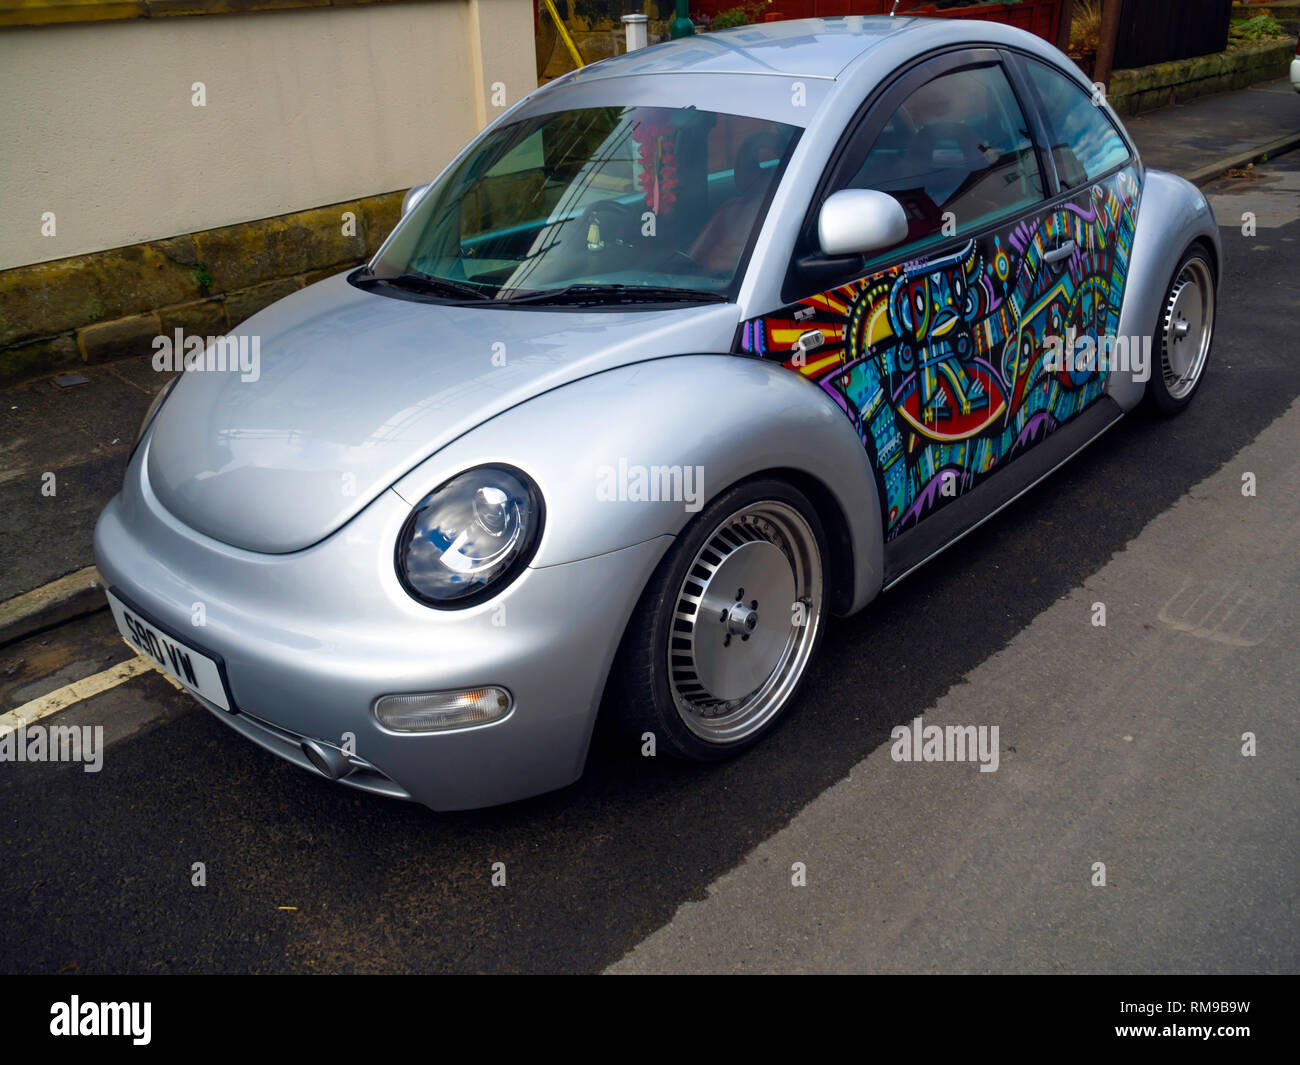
1184 138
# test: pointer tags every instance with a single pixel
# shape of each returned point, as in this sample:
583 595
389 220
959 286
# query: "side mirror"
857 221
412 197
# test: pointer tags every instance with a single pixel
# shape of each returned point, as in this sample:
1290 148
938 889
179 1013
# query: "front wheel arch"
639 691
839 569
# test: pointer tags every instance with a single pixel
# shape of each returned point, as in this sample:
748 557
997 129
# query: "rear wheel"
1185 333
724 632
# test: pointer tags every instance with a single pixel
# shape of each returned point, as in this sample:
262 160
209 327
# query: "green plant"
1257 28
1085 28
201 276
733 16
745 14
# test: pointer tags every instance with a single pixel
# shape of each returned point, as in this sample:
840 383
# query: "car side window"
956 154
1084 143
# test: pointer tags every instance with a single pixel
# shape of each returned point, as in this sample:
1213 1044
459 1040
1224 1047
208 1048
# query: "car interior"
721 173
958 144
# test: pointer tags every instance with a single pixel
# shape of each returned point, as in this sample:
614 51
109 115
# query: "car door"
1096 176
933 347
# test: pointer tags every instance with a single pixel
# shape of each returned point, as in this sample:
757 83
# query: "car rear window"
1084 143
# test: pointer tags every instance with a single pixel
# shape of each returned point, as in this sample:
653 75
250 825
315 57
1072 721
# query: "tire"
700 666
1185 333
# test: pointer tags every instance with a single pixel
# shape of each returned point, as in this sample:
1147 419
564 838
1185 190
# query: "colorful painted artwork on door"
939 362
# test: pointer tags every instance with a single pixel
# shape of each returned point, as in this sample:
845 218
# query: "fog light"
435 711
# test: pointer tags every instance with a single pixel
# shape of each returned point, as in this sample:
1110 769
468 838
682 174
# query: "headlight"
154 407
468 539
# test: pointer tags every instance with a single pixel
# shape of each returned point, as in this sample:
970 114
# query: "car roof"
805 48
739 70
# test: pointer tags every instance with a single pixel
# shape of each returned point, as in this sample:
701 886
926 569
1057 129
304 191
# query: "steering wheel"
679 258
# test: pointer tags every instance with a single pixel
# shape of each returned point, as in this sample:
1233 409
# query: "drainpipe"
1063 30
1110 12
682 25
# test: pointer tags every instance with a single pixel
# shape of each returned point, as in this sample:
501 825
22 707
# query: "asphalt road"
305 876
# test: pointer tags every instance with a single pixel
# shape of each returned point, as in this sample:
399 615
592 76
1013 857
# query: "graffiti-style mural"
939 362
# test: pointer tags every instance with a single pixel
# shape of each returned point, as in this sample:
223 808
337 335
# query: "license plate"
192 669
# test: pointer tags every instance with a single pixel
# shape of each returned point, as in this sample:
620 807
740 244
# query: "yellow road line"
70 694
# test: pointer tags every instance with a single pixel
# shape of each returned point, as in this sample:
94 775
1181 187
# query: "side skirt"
971 510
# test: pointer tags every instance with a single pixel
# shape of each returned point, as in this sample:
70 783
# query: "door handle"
1060 253
808 342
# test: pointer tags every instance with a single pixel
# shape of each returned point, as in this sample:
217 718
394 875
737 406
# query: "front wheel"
1185 333
723 634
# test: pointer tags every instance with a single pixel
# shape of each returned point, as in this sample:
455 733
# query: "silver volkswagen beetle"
684 353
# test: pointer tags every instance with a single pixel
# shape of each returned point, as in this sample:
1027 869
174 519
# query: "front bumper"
311 639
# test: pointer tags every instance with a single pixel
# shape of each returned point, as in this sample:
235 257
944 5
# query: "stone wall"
1146 88
111 304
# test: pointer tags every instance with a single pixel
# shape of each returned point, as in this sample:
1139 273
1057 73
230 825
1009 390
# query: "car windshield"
605 204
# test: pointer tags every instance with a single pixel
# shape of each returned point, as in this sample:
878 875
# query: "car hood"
351 389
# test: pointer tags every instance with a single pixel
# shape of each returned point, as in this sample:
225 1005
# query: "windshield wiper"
595 294
434 286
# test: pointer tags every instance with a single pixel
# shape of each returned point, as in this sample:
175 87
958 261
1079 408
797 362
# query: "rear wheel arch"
1172 218
1196 276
